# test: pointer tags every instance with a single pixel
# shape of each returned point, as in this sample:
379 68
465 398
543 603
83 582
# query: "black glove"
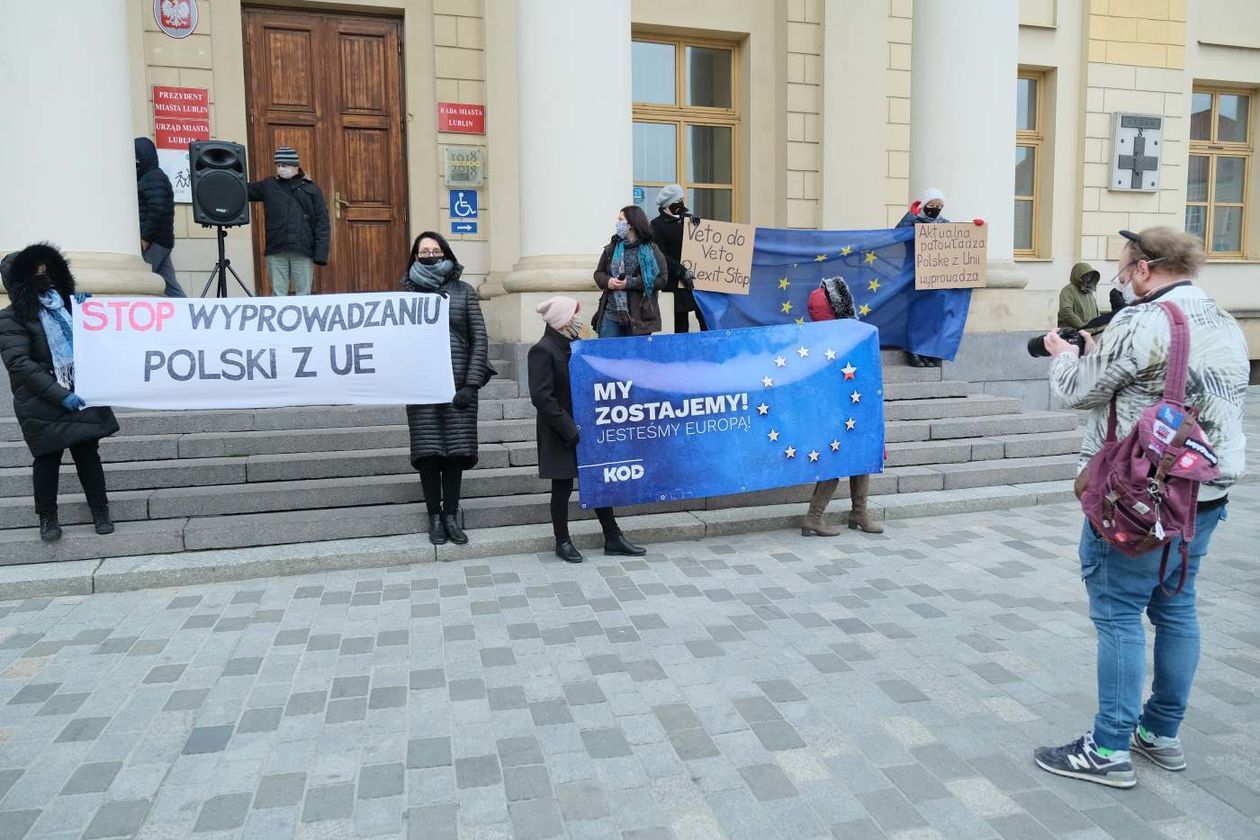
464 397
689 280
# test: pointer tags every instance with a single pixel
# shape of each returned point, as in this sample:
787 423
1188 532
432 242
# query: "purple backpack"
1141 492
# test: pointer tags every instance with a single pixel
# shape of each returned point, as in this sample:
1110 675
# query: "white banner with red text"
360 349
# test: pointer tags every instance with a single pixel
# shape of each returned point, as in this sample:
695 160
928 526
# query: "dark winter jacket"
645 310
156 198
46 425
549 392
667 233
1077 304
441 429
296 216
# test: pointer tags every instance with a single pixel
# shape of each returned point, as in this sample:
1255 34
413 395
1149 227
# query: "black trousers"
561 490
440 479
682 324
46 472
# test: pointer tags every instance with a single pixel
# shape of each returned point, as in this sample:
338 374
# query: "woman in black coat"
41 373
557 432
667 233
444 435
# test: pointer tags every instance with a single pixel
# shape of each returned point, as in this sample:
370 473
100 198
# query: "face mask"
622 228
577 329
286 172
678 209
428 260
931 212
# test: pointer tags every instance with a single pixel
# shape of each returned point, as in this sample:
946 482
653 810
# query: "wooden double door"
330 86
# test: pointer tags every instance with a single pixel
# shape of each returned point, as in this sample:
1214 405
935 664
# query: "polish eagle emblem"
176 18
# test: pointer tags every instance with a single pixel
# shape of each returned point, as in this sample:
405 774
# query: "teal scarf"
647 264
55 319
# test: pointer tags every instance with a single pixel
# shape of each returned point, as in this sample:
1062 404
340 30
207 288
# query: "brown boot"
859 518
814 526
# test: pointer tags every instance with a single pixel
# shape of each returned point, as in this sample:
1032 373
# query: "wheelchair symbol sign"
463 204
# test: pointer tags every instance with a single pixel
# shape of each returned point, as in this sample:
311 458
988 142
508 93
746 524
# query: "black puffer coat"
37 396
667 233
296 216
549 392
442 430
156 198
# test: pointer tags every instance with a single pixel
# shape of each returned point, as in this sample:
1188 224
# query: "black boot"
915 360
437 531
451 522
567 551
617 544
100 518
49 527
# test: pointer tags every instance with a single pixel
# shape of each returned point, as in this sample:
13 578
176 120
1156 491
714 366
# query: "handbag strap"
1178 353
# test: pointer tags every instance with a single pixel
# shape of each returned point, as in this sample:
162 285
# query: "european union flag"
877 265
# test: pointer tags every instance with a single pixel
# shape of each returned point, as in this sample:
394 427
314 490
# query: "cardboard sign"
720 255
951 255
181 115
461 118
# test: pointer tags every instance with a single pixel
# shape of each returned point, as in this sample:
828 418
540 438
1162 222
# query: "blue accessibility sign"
463 204
463 227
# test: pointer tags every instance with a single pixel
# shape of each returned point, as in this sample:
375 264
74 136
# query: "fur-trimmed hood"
839 297
30 272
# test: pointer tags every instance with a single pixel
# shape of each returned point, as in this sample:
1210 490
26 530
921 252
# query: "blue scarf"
55 319
647 266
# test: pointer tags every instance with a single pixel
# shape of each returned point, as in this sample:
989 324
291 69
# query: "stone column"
576 167
964 65
66 156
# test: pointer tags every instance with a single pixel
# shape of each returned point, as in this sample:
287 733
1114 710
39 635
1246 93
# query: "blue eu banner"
731 411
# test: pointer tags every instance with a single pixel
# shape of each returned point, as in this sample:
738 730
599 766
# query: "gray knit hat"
669 195
287 156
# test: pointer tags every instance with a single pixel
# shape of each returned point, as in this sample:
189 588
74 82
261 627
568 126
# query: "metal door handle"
339 203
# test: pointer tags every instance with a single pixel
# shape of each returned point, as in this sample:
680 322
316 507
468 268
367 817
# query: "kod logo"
625 472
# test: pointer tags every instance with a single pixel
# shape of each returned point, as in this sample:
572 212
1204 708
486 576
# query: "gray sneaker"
1081 760
1166 752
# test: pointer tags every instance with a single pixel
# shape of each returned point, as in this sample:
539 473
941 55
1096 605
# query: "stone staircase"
205 480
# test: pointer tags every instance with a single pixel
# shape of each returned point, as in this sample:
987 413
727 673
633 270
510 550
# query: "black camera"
1037 344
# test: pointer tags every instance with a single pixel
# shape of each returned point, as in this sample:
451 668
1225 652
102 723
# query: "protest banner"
360 349
687 416
951 255
719 254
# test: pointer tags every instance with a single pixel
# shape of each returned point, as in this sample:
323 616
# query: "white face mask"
1126 288
286 172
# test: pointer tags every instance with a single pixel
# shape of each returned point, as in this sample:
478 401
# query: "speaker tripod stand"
221 270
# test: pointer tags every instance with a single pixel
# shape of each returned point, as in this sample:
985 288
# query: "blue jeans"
608 328
1120 588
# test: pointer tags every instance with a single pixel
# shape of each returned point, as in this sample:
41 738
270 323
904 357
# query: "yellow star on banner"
802 351
774 436
830 354
779 361
869 259
813 456
790 452
767 382
864 310
784 283
763 409
820 258
873 285
800 321
850 424
845 251
787 307
835 446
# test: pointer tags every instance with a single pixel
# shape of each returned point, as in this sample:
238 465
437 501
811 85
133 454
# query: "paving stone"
429 752
328 802
260 720
281 790
477 771
117 818
223 813
529 782
207 739
536 820
605 743
377 781
91 778
514 752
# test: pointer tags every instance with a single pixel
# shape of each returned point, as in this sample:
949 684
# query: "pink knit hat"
558 311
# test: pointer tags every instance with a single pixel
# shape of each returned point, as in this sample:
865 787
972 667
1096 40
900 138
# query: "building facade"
788 113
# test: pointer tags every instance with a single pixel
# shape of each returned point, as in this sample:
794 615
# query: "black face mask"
931 212
679 209
430 261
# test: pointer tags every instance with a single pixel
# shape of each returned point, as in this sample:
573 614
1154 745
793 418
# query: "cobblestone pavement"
759 686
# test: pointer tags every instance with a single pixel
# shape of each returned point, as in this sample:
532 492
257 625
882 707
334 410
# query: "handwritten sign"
719 254
951 255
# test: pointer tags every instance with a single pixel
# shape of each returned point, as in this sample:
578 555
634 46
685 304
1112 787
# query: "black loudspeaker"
220 183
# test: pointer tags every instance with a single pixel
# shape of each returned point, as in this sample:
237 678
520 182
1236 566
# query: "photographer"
667 232
1129 365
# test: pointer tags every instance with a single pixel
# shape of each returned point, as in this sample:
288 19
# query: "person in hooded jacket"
444 435
631 273
558 433
832 301
667 233
1077 305
37 345
936 306
156 200
297 224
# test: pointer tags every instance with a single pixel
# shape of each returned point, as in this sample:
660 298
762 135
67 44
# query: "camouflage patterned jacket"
1129 363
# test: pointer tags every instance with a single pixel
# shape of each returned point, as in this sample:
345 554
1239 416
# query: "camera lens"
1037 347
